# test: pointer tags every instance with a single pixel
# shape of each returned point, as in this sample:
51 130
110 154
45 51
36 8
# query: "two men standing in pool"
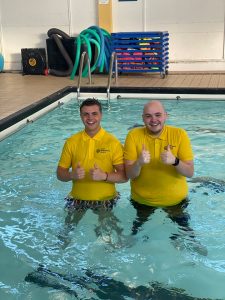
157 159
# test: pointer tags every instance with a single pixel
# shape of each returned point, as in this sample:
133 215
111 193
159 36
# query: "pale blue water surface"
32 214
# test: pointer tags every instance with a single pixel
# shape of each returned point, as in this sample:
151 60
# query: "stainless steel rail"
113 60
81 70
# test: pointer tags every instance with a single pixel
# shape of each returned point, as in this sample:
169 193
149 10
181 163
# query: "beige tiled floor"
18 91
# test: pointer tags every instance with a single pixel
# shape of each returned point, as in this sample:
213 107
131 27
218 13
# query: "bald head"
154 104
154 117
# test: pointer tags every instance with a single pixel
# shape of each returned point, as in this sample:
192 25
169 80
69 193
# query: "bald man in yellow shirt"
158 158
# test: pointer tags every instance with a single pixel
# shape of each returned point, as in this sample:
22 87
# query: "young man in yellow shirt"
92 160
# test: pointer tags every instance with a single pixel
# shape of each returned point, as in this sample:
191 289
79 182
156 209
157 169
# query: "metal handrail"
80 72
113 59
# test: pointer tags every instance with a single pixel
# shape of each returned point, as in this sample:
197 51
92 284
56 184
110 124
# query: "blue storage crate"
141 51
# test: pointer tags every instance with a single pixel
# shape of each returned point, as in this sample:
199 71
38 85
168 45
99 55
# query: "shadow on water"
208 130
216 185
134 126
104 287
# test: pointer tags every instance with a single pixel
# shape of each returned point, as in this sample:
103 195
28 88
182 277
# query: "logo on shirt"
102 150
170 146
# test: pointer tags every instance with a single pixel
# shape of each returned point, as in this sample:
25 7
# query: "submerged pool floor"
44 256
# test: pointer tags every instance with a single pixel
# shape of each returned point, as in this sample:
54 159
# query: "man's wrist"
138 163
177 161
106 176
70 176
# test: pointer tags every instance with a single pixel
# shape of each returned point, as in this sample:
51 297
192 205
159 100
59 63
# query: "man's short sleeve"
130 149
118 154
66 158
185 150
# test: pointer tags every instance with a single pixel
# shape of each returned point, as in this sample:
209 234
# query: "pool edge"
31 109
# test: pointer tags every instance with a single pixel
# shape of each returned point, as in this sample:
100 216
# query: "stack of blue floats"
141 51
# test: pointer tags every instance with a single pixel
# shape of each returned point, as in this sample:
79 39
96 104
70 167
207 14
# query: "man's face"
91 118
154 117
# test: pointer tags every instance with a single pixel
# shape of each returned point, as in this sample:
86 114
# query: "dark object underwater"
134 126
104 287
214 184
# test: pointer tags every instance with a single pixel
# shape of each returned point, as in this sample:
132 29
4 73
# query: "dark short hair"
90 102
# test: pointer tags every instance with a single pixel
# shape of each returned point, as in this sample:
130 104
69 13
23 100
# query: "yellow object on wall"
105 15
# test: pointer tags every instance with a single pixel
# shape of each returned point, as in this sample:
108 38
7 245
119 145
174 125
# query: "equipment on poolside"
98 39
64 52
33 61
142 52
60 51
1 62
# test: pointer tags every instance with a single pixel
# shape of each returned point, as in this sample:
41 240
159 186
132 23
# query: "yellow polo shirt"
158 184
104 150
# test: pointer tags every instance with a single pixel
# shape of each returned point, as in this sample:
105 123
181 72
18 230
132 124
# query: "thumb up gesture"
97 174
144 157
79 172
167 156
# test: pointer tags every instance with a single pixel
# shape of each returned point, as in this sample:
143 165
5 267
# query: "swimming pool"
102 253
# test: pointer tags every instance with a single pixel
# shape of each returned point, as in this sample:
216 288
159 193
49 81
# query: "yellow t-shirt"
158 184
104 150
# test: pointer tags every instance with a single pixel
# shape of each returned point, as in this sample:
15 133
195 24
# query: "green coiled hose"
101 39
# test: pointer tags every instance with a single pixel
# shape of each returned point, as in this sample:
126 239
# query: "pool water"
100 257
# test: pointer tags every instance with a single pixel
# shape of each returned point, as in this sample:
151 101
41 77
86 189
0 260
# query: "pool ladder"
80 73
113 62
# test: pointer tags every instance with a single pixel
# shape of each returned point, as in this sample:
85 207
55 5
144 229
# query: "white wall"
1 36
25 23
196 27
128 16
84 14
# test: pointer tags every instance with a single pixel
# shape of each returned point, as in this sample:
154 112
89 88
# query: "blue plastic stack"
141 51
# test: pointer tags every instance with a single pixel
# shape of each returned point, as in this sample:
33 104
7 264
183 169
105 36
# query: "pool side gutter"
19 119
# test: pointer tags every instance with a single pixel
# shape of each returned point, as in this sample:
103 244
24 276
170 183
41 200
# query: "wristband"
107 174
176 161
